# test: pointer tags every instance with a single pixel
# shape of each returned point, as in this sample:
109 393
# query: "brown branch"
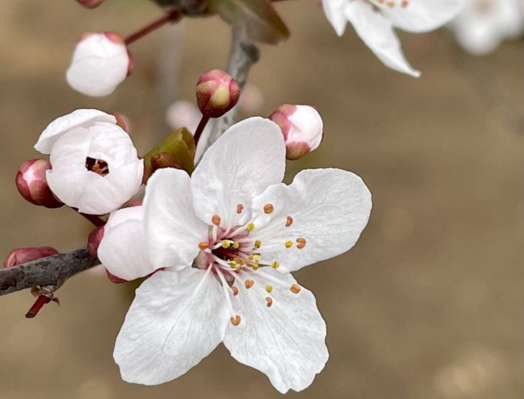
50 271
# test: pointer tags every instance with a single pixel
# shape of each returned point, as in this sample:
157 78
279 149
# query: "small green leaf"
257 17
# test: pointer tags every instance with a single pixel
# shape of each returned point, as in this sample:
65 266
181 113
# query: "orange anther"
404 3
269 302
235 320
216 220
295 289
268 208
203 245
390 4
235 290
240 208
289 221
301 243
249 284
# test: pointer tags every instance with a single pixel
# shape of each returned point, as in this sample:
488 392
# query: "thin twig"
52 271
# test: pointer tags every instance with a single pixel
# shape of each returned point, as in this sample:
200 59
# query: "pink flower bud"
24 255
217 92
100 63
90 3
94 239
302 127
32 183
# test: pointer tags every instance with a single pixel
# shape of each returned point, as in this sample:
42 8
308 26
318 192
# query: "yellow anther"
289 221
235 290
203 245
236 244
216 220
269 288
254 266
288 244
301 243
240 208
233 263
275 265
235 320
269 302
295 289
258 243
268 208
251 227
226 244
249 284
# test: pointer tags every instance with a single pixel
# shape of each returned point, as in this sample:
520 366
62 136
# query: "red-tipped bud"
90 3
23 255
32 184
217 92
302 128
93 241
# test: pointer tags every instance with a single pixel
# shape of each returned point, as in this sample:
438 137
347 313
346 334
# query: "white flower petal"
122 250
329 207
173 231
377 32
246 159
176 320
423 15
79 118
285 341
111 144
334 10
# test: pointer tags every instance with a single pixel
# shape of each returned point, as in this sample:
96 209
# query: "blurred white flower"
100 63
234 233
95 167
302 127
483 24
374 21
183 114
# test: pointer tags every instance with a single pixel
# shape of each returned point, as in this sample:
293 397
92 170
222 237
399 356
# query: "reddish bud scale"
32 184
217 92
23 255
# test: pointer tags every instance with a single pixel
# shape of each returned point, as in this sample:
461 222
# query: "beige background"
428 305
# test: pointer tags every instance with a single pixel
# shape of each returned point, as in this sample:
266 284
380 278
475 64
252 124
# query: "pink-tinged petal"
377 32
285 341
248 157
122 250
176 320
328 209
422 15
334 10
173 231
79 118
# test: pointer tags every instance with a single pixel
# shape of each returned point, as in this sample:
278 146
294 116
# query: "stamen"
390 4
404 3
203 245
235 290
235 320
268 208
216 220
226 244
295 289
249 284
236 244
288 244
301 243
275 265
269 288
251 226
289 221
269 301
240 208
258 243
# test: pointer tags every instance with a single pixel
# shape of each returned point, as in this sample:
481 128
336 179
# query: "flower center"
98 166
238 255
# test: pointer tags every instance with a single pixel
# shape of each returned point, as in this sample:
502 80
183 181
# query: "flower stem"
200 128
171 16
95 219
40 301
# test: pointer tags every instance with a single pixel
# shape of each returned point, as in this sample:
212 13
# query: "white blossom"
375 20
228 238
95 167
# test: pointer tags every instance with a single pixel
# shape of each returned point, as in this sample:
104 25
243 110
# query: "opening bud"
302 127
217 92
32 183
90 3
23 255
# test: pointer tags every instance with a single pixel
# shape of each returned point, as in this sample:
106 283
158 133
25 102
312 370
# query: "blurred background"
428 305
